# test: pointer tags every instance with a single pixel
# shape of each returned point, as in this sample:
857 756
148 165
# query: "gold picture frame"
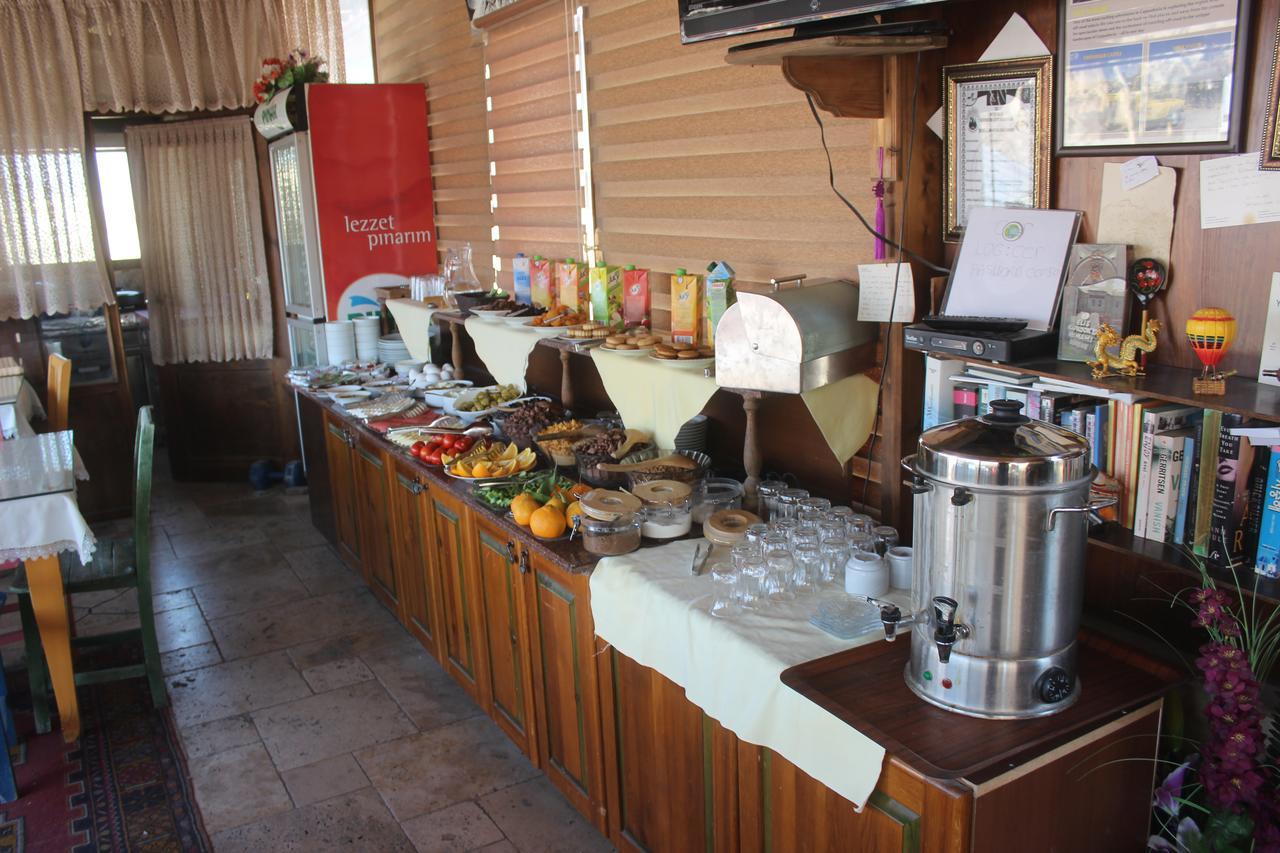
1270 156
999 127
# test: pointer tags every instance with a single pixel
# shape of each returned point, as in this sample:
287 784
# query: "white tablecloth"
48 521
651 609
504 349
16 416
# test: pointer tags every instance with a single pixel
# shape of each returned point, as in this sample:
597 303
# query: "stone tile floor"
312 721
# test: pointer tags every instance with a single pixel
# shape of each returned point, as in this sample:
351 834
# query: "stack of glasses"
808 549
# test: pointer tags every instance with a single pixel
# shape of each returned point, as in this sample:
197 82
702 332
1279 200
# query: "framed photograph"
997 137
1151 77
1270 157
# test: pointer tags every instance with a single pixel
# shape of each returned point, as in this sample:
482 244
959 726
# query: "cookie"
614 340
665 350
644 340
665 356
681 347
706 352
688 353
626 346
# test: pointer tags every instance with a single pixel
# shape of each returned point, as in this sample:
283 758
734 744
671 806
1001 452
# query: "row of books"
1187 476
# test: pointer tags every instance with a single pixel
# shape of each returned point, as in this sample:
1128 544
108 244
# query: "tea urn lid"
1003 448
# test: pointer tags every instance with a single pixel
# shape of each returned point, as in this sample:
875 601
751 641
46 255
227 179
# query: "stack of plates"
367 329
693 435
341 340
391 349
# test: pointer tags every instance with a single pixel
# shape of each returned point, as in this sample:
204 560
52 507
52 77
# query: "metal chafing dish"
793 340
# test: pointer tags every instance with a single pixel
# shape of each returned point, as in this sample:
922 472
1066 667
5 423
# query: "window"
357 42
58 230
117 204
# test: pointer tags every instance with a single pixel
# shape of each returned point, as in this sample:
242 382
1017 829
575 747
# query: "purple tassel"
878 189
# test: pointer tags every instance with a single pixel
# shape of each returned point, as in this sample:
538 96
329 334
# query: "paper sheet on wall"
1233 191
876 286
1015 41
1141 217
1271 337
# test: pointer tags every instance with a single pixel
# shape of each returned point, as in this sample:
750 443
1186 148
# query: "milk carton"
635 297
540 285
520 279
718 296
606 295
686 307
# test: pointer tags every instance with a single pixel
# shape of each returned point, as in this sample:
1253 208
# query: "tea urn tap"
946 630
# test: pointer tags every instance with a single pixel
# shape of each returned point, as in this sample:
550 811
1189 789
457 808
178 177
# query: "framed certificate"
1270 155
997 137
1151 76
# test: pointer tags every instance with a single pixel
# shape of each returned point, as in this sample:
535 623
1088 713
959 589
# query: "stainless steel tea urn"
1001 526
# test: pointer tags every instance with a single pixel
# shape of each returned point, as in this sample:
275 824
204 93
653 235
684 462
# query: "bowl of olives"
475 403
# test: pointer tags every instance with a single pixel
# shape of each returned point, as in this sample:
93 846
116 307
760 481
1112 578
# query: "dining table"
39 521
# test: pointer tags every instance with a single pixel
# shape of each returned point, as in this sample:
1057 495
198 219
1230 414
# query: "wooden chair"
58 392
118 563
8 784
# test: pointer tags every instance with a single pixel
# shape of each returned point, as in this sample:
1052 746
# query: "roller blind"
533 126
431 41
696 160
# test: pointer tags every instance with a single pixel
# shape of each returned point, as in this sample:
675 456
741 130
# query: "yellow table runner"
413 318
651 395
845 413
504 349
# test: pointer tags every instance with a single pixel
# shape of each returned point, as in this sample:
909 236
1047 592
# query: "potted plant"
279 74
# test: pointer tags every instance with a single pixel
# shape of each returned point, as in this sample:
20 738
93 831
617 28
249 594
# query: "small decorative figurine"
1147 277
1210 332
1125 361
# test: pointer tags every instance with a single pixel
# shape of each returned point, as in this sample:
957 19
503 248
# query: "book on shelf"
964 398
1256 498
1267 557
1168 459
1185 484
939 399
1206 476
1230 495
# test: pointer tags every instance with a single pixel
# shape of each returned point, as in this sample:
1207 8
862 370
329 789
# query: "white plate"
489 316
627 352
335 390
352 397
686 363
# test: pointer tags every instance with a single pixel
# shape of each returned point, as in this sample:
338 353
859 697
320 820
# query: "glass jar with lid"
666 508
714 494
610 522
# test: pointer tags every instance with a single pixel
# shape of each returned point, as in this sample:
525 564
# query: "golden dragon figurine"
1125 363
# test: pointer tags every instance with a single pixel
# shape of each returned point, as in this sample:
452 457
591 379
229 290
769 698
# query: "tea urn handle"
1092 506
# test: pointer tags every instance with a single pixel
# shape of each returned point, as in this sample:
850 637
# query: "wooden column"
456 334
566 384
751 457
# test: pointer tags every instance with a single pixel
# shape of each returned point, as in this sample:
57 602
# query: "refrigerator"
351 179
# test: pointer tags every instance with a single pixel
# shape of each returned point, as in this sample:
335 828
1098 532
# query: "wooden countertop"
865 687
568 555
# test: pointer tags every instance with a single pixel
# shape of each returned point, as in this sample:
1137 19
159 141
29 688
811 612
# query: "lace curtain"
204 268
48 261
162 56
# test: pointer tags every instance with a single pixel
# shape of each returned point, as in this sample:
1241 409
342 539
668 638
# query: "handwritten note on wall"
876 283
1234 192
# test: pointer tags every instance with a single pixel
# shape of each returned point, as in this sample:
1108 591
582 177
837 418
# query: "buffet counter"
671 730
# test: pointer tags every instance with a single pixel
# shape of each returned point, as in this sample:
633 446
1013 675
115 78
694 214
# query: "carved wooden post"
455 330
751 449
566 384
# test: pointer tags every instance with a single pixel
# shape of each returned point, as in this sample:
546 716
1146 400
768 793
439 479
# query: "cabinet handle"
351 438
416 487
524 562
511 551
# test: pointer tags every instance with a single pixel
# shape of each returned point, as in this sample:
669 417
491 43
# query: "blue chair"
8 785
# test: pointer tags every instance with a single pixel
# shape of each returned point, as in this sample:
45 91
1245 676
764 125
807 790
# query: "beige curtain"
48 262
195 187
160 56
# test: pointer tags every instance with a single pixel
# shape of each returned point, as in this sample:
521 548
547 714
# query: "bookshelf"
1173 385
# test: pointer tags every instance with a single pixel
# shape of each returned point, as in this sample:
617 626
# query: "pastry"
679 347
688 353
625 346
614 340
644 340
665 350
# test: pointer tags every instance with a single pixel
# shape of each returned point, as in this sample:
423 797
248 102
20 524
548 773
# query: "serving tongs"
700 558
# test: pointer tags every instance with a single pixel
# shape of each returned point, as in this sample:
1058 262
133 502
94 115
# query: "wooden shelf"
775 51
1172 384
1115 537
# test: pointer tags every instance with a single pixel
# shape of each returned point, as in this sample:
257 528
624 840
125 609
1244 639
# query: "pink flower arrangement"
279 74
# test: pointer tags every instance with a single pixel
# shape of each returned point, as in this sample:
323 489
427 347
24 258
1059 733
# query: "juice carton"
521 281
540 286
572 286
686 307
606 295
719 296
635 297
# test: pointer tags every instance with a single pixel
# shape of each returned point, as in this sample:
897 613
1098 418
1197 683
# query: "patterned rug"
124 786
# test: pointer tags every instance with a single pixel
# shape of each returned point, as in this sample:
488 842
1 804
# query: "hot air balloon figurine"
1210 332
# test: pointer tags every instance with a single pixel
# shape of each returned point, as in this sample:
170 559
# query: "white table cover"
653 610
44 522
21 406
413 319
504 349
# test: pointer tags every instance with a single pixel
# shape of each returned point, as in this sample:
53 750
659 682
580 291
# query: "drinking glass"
810 514
767 497
832 526
753 572
789 502
886 538
860 523
820 504
724 583
863 542
808 562
804 535
784 526
781 579
739 555
835 551
844 513
755 536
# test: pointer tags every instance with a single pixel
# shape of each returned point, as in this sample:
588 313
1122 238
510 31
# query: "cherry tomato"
447 441
432 458
463 444
433 445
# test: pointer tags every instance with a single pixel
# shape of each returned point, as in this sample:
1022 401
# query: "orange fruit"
481 469
547 522
523 506
557 502
571 512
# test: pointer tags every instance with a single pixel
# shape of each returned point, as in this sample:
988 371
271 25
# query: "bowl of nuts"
667 472
597 450
557 440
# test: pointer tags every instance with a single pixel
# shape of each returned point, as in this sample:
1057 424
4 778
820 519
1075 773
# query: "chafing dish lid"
803 323
1003 448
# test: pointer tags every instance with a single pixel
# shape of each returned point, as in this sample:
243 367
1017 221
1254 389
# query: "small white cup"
866 574
900 567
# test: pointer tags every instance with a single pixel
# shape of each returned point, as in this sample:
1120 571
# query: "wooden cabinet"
414 557
372 474
463 640
564 683
339 441
504 582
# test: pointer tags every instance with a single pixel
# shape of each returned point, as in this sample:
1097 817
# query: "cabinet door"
568 707
412 553
343 486
374 518
453 563
502 587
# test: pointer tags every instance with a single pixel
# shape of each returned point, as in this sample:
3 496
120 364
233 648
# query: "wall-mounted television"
709 19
